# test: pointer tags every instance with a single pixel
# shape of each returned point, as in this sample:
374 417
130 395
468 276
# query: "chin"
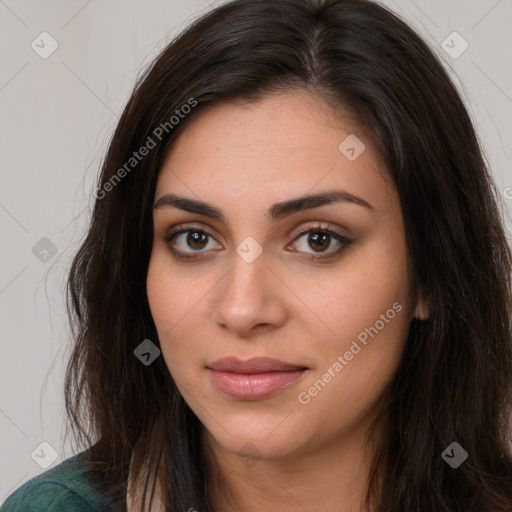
256 442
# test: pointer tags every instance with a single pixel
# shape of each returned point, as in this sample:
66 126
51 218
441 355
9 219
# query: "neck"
333 477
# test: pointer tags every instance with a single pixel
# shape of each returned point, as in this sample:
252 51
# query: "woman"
295 288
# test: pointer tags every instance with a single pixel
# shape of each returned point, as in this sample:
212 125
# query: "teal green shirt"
63 488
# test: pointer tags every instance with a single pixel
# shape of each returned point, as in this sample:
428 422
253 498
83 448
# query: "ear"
422 309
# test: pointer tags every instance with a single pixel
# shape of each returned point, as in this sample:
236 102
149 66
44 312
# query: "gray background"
57 116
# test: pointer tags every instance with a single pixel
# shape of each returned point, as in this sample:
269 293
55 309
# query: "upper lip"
254 365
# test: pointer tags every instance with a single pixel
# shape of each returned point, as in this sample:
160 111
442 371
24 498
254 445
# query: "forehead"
260 152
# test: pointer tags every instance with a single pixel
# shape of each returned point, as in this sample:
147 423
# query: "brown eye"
317 240
185 242
314 240
196 239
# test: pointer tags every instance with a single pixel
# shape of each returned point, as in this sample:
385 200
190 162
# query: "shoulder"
63 488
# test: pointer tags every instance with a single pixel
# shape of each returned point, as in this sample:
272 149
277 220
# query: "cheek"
175 301
160 295
366 285
165 307
171 294
367 307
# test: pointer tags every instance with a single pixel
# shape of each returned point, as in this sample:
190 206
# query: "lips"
253 379
255 365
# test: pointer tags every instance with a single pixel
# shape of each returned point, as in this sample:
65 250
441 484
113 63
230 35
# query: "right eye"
186 239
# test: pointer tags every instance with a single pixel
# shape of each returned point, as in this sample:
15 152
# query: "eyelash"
312 228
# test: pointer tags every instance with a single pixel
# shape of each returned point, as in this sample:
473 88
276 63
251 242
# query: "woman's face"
258 285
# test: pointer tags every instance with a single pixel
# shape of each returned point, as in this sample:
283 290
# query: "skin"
242 158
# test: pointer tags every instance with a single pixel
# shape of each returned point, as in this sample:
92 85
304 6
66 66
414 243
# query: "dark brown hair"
454 380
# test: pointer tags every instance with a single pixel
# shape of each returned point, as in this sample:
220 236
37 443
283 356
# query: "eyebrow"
276 212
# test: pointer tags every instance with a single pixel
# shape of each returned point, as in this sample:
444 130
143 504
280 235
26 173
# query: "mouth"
253 379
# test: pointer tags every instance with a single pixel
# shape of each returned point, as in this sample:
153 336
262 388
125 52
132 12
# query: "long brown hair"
454 381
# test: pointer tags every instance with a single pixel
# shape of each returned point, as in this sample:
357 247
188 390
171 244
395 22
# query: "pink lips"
253 379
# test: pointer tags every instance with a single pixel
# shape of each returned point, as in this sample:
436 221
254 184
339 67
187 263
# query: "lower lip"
254 386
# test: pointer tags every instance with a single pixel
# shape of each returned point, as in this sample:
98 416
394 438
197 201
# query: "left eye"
321 239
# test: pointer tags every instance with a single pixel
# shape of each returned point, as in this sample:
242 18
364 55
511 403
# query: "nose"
249 298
